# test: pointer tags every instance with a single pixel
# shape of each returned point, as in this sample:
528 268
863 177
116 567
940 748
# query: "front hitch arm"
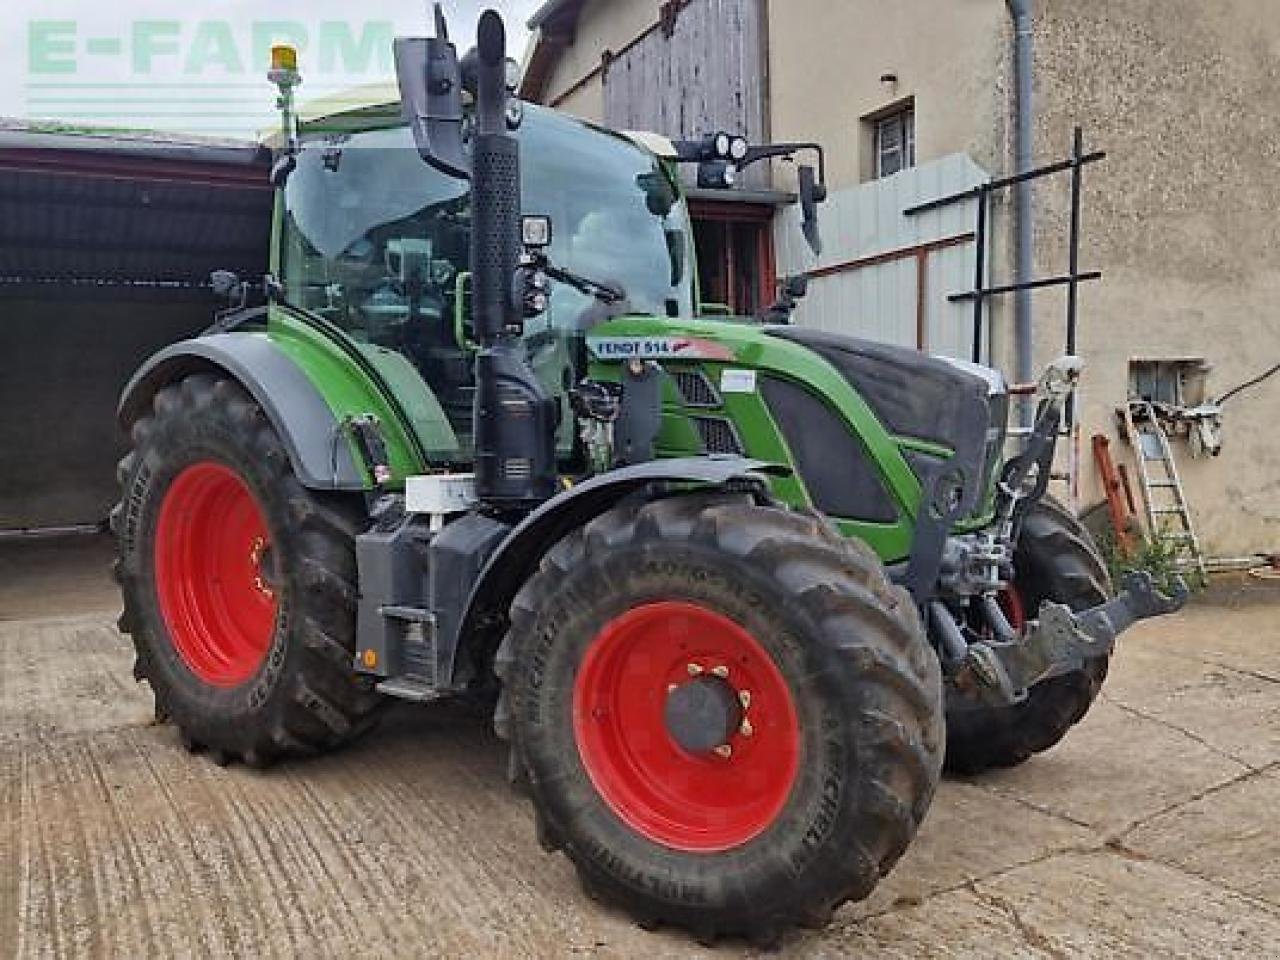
1061 640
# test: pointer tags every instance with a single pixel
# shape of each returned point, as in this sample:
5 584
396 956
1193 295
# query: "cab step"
416 679
410 688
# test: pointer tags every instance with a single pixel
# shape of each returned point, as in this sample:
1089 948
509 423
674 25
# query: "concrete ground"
1152 831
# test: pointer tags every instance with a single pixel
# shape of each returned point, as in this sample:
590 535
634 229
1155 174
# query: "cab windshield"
378 242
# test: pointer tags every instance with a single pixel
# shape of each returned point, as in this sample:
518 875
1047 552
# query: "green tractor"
732 589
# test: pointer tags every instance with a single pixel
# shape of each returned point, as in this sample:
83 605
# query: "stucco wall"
951 59
826 60
1182 216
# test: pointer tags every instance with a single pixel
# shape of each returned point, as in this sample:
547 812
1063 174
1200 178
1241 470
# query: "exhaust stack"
514 417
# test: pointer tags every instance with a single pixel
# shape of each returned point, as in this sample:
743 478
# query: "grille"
518 468
718 435
841 479
696 389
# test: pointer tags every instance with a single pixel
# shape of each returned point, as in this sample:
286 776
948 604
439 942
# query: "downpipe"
1024 128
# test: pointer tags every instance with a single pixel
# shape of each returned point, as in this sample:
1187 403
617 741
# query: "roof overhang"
553 27
54 149
772 198
553 11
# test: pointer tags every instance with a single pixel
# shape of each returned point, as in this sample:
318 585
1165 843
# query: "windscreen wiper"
609 293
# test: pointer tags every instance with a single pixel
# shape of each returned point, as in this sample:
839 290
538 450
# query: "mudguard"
318 447
516 558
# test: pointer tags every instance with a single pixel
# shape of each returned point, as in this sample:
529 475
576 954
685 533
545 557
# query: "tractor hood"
914 395
949 403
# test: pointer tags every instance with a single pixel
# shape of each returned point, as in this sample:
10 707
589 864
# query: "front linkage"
999 664
1061 641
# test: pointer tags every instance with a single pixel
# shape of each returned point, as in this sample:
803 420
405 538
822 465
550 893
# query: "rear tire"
839 670
1057 560
239 584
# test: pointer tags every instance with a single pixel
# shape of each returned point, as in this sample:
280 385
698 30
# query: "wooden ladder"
1163 496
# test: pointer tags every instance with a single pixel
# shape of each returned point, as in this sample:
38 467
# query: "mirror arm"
772 150
695 151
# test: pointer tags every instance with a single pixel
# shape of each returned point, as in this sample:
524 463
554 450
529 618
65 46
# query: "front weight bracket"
1061 640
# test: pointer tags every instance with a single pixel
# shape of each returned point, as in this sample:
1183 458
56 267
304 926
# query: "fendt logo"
657 348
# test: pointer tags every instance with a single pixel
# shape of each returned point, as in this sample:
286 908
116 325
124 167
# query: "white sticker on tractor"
738 381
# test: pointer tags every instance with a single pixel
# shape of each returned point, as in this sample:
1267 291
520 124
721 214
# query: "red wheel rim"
211 544
700 802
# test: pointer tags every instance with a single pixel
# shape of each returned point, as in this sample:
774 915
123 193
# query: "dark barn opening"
106 245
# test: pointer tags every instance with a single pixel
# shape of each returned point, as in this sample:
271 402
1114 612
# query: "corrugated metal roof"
131 207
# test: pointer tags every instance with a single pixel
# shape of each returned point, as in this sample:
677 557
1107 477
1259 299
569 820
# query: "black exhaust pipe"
515 419
495 190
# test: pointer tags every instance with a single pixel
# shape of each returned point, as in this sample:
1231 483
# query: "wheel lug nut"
694 669
723 751
721 671
671 687
746 729
744 698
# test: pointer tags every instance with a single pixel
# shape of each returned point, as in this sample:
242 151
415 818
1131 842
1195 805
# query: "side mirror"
812 193
430 82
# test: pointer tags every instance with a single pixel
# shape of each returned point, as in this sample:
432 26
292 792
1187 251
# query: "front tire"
1055 559
826 693
238 583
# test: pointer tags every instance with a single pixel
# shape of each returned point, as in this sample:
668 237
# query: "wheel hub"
703 714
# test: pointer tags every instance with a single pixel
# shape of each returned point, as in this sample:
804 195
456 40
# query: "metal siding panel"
906 300
879 301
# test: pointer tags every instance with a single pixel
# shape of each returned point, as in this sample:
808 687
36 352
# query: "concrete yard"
1154 830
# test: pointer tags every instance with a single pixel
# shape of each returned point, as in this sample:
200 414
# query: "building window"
895 142
1178 381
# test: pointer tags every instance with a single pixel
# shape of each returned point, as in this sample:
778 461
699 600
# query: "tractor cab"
378 242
